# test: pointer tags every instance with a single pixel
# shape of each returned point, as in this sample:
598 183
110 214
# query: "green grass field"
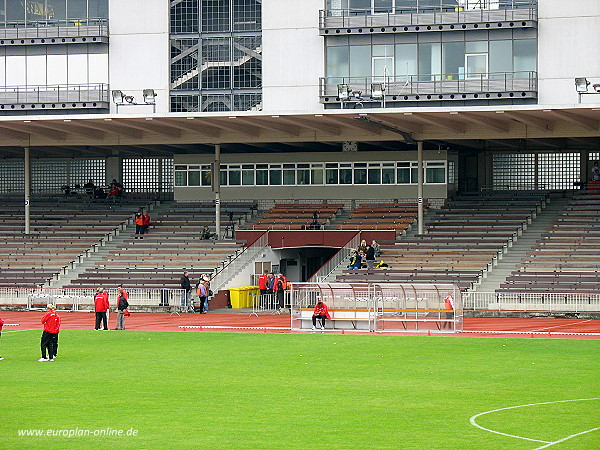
241 390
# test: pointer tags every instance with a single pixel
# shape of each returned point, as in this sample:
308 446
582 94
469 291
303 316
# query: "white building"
320 98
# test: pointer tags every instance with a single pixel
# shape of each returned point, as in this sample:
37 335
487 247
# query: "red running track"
499 327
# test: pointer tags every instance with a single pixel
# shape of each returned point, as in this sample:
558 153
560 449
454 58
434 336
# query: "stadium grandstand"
460 135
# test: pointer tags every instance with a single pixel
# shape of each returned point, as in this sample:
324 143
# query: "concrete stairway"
108 246
521 248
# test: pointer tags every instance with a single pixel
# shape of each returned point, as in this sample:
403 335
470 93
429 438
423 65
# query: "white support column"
160 178
27 188
217 188
420 187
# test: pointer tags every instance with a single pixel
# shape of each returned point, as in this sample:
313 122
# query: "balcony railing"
92 30
62 96
443 17
438 87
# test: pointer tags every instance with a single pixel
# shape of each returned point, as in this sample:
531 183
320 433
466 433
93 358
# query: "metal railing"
334 262
443 13
360 88
238 262
60 93
36 29
82 299
531 302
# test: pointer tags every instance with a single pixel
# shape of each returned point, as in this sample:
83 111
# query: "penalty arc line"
548 443
566 438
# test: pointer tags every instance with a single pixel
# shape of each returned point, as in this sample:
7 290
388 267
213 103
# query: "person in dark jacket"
122 305
355 261
186 288
370 257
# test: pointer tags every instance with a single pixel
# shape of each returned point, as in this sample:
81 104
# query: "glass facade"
422 6
216 55
434 57
73 12
314 174
50 65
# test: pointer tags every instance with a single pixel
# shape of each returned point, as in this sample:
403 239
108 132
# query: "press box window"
180 175
435 173
388 173
193 175
316 174
262 174
235 176
248 174
345 174
206 175
374 173
403 172
360 173
331 173
303 174
275 178
289 174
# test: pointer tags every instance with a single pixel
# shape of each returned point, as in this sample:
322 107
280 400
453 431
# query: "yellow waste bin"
253 293
235 297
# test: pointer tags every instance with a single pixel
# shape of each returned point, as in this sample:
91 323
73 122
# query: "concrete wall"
569 33
139 51
293 55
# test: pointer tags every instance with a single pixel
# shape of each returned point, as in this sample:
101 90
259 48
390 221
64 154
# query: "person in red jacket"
1 325
49 342
101 305
262 282
279 287
139 224
449 306
320 312
145 222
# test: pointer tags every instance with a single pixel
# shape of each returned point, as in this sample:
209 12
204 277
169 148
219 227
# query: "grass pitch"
288 391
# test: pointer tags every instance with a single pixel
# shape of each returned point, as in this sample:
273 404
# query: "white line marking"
475 424
563 325
567 438
556 333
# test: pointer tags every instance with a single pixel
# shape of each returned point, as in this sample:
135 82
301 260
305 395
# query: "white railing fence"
339 258
233 267
83 299
531 302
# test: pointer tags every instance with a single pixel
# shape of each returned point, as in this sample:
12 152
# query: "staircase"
250 54
521 248
110 245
